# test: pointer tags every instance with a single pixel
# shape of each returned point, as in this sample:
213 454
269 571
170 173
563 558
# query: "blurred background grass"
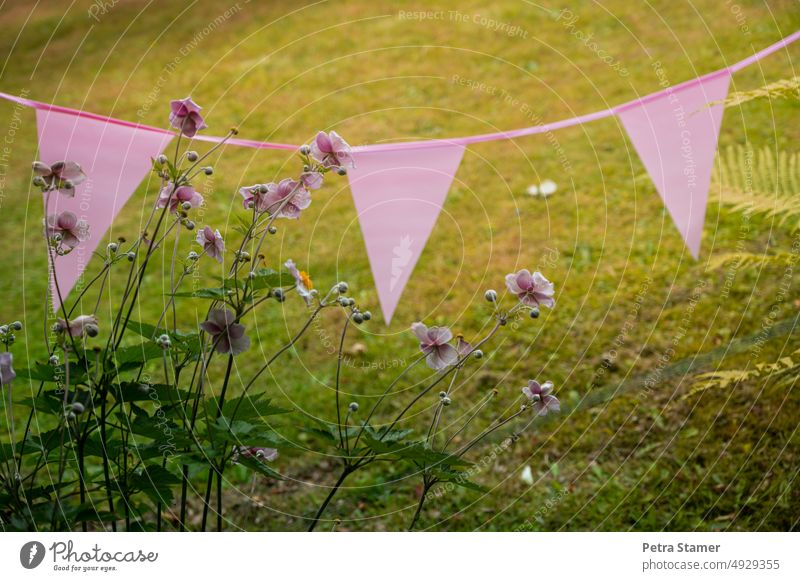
624 456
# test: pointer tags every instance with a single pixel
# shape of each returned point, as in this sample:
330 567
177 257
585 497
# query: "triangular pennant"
398 195
115 157
675 134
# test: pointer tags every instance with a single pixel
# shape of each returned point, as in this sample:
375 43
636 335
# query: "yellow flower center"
306 280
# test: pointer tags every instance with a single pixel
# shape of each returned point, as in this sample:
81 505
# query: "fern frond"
761 182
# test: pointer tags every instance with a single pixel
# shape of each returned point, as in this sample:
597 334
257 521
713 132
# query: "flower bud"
68 185
478 354
353 407
343 287
16 325
193 255
38 181
342 171
131 256
279 294
112 248
251 204
367 315
442 394
53 360
77 407
305 149
189 225
71 416
3 329
446 400
192 156
208 170
534 313
186 206
272 229
262 188
161 159
40 167
491 296
92 330
358 318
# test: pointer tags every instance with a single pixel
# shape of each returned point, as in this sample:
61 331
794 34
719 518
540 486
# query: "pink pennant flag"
115 157
675 134
398 195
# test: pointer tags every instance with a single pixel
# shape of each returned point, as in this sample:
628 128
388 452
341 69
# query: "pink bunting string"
399 188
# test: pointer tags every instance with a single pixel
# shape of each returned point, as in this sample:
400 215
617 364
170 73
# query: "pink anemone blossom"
62 176
7 373
66 230
303 284
331 150
540 397
79 326
275 200
228 335
177 198
212 243
531 289
185 116
434 342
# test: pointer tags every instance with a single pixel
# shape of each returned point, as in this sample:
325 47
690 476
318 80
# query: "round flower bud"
3 329
491 296
279 294
189 225
342 171
442 394
353 407
367 315
306 167
113 247
131 256
534 313
251 204
244 256
92 330
192 156
343 287
68 185
71 416
208 170
193 255
186 206
478 354
305 149
446 400
39 181
77 407
54 360
262 188
16 325
161 159
272 229
358 318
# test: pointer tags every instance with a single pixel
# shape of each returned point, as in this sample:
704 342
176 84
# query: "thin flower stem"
426 487
338 377
345 473
472 417
383 396
442 377
485 433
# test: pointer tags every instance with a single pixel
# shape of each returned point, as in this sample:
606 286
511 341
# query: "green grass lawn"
624 455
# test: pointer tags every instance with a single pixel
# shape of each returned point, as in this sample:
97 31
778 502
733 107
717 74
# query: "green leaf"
216 294
257 465
250 407
156 482
138 353
269 278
